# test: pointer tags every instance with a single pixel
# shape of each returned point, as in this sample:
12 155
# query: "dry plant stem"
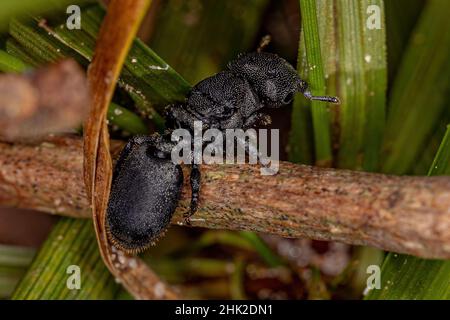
402 214
117 32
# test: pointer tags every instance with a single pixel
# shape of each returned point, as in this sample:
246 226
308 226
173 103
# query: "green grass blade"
71 242
362 83
349 59
427 156
441 163
352 111
401 16
407 277
417 104
145 76
419 93
301 136
126 120
9 63
375 73
261 247
14 8
14 261
15 255
316 79
16 50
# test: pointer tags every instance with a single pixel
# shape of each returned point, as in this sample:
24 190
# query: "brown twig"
402 214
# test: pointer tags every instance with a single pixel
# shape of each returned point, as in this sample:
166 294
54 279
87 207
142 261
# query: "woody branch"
402 214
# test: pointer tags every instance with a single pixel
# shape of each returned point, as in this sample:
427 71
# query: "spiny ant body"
147 185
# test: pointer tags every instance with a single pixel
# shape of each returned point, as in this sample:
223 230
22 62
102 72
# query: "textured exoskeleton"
145 191
147 185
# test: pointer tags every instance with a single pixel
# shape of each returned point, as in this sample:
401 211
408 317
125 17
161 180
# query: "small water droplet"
166 67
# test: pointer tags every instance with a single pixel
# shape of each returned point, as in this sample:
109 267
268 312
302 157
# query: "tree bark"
401 214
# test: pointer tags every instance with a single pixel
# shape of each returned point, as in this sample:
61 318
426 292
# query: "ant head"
272 77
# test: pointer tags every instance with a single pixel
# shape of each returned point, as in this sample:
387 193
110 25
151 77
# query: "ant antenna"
264 42
309 96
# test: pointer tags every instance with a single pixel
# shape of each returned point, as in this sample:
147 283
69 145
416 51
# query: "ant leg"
195 187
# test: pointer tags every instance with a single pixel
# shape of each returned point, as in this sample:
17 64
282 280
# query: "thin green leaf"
375 76
362 83
353 62
150 81
71 243
261 247
145 73
15 256
16 50
417 103
401 16
125 119
300 136
441 163
237 280
14 8
316 78
419 93
14 261
9 63
428 154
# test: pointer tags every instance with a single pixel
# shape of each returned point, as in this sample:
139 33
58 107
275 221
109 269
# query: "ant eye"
288 98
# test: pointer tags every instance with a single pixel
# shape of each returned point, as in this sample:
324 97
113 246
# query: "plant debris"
53 99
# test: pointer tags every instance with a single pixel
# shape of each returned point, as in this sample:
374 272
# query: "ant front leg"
195 179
